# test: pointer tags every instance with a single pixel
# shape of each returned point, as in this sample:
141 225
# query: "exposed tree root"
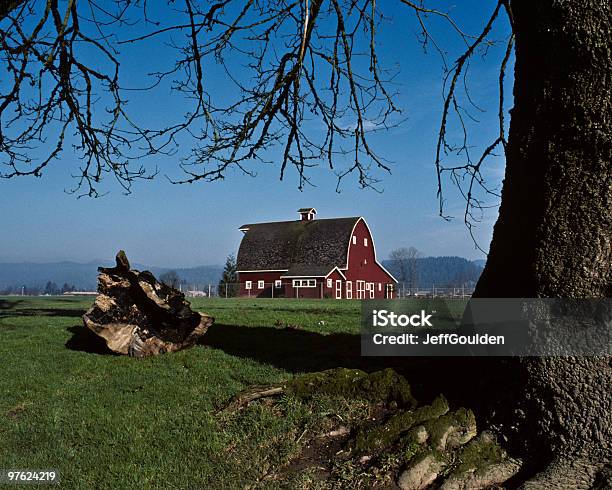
381 386
409 446
254 393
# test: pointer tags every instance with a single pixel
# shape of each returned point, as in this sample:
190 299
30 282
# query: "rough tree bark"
553 237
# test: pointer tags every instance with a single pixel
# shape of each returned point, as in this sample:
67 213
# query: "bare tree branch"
305 78
466 176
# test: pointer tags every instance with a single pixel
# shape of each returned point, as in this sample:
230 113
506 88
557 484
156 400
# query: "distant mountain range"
441 272
438 271
83 276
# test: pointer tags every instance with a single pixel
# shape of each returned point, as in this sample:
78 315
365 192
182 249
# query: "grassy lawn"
110 421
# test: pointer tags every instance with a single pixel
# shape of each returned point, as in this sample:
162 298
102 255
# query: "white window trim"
330 283
278 284
304 283
380 286
354 239
248 285
371 290
261 284
349 289
365 242
360 289
338 289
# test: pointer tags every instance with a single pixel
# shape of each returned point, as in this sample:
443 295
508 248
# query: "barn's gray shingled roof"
303 248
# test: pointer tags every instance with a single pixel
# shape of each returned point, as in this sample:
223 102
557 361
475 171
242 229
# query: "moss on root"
381 386
451 430
412 442
479 453
481 464
413 447
374 439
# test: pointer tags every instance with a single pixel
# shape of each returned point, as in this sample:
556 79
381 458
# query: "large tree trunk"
553 237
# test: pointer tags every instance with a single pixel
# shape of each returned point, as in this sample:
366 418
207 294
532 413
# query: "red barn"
312 258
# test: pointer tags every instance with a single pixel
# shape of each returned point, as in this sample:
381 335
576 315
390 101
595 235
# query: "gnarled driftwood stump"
139 316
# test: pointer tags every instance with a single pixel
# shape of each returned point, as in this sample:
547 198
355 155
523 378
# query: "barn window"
365 261
304 283
380 286
349 289
371 288
365 242
278 284
329 283
261 284
360 289
354 239
248 285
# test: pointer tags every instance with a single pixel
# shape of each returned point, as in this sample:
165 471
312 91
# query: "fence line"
272 290
433 291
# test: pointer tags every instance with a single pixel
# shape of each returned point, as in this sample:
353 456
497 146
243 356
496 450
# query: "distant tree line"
171 278
415 271
51 289
226 286
405 262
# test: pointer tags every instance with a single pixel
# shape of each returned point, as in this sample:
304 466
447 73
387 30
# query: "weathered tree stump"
139 316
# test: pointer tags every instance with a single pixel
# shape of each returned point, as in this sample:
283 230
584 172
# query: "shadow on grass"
294 350
84 340
54 312
462 380
9 304
10 308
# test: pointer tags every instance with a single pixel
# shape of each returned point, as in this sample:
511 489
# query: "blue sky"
177 226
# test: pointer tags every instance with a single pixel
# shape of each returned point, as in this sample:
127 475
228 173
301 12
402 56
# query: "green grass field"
109 421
